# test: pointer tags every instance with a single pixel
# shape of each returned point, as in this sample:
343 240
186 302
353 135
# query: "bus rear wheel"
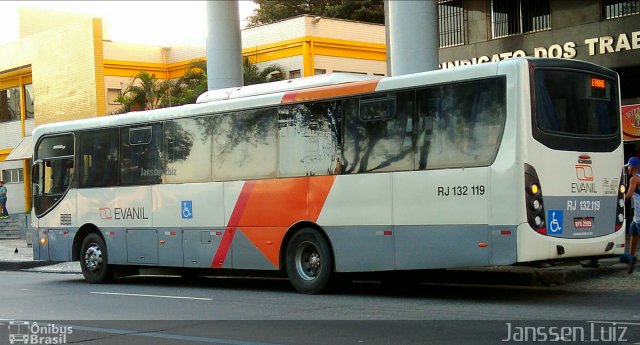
94 260
308 261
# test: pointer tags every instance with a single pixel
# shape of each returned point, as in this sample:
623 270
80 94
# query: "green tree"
251 74
187 88
271 11
145 92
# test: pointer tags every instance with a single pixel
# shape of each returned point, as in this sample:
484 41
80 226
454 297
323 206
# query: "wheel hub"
308 261
93 258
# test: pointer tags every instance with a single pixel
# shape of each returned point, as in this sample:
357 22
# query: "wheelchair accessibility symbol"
554 222
187 209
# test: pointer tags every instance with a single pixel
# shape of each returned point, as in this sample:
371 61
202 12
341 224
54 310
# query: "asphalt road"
168 310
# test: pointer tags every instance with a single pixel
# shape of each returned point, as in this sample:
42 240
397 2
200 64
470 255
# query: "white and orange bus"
495 164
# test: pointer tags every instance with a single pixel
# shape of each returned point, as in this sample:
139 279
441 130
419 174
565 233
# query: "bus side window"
379 133
58 174
310 139
98 163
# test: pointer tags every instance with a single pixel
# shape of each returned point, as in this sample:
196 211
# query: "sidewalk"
493 275
23 259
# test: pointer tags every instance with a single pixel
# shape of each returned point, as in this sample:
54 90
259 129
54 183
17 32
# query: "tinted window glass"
99 158
310 139
575 103
57 176
10 104
459 124
378 133
58 146
188 150
245 145
28 100
141 155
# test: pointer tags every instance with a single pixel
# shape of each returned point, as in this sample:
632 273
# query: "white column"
413 36
224 46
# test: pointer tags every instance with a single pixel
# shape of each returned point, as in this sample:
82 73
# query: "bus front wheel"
94 260
308 261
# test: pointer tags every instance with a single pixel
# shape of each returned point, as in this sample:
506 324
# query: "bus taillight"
533 199
620 205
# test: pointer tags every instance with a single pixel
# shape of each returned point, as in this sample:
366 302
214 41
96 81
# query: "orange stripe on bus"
332 91
275 205
234 220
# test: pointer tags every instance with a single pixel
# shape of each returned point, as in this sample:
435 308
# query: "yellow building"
61 68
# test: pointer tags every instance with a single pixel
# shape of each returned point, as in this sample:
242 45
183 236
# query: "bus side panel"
199 246
362 248
441 246
359 200
441 197
116 241
189 205
504 244
52 228
246 252
142 246
115 207
170 247
59 245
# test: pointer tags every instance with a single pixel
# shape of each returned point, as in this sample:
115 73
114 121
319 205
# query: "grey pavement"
559 274
23 259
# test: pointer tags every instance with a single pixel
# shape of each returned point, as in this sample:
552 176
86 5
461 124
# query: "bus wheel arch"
82 232
307 257
94 257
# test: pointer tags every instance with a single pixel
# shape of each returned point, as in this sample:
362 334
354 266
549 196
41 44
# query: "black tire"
94 260
309 262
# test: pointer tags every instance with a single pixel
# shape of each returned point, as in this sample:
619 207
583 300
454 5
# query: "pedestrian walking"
3 200
633 168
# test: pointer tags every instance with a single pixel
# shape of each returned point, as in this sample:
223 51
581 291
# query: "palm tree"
145 92
186 89
251 74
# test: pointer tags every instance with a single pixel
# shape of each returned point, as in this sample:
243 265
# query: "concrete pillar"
224 45
413 36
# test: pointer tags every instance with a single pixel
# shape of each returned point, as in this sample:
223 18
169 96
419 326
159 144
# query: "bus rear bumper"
533 246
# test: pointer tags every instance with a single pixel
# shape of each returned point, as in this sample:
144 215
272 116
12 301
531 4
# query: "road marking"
167 336
155 296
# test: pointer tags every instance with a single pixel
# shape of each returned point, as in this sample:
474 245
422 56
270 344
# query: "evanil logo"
584 174
22 332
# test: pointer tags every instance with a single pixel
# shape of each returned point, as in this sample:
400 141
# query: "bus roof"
283 86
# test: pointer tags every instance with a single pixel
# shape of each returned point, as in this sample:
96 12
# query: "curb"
23 265
522 276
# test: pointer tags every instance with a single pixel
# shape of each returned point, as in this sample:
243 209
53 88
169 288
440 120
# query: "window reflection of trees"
459 124
187 150
310 139
381 142
244 144
454 125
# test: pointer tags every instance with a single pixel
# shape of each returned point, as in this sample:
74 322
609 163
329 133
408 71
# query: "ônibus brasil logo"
23 332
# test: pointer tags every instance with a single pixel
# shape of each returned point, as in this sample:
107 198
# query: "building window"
10 104
451 23
12 176
619 8
513 17
320 71
294 74
112 96
28 101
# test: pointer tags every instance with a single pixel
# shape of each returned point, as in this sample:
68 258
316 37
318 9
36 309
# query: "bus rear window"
575 103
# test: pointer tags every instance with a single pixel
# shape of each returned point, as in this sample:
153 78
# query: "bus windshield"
575 103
